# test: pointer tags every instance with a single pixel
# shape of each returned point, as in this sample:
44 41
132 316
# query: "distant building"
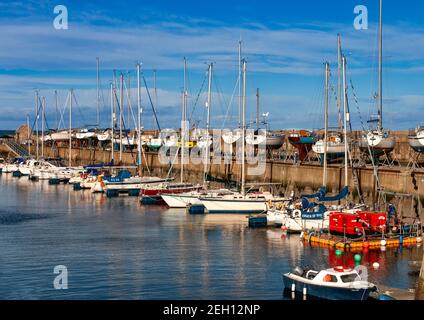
23 135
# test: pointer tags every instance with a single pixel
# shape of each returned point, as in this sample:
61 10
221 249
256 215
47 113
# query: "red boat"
153 195
303 141
355 225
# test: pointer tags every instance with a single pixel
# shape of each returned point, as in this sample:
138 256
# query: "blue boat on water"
331 284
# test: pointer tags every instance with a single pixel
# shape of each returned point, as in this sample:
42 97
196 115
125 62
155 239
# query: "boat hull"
154 196
294 225
303 145
378 143
181 201
219 206
417 144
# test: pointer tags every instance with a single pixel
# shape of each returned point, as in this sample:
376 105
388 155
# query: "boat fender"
305 291
293 287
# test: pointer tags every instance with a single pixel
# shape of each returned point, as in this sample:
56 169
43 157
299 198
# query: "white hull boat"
332 284
192 198
378 141
416 140
237 203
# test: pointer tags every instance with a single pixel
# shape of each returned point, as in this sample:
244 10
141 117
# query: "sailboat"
416 139
316 216
153 194
230 138
272 141
239 202
334 145
204 142
379 141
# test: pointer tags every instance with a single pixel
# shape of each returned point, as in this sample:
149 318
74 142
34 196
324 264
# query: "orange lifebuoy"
327 278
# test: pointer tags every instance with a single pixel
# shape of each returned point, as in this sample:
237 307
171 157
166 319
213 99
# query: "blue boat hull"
327 293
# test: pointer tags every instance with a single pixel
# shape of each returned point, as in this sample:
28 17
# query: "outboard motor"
298 271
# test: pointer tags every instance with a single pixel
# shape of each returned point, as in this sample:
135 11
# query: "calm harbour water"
117 249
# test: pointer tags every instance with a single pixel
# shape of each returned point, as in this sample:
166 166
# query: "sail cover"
342 195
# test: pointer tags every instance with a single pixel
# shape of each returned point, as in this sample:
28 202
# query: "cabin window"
350 278
330 278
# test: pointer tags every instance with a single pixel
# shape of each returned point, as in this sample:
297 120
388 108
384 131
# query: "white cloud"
292 51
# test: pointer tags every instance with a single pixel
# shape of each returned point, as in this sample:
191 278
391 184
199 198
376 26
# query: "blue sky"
285 42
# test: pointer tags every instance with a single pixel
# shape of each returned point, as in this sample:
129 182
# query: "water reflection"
118 249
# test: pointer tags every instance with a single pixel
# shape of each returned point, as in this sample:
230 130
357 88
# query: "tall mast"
208 123
98 91
327 70
70 127
339 81
112 118
183 124
155 87
57 109
28 135
129 100
36 121
139 119
346 119
380 71
240 84
43 102
257 108
243 138
121 102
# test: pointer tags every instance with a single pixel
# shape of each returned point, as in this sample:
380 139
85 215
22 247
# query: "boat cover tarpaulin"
342 195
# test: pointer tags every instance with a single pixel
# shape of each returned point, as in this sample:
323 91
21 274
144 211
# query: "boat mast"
139 120
327 69
155 88
98 91
43 101
183 122
128 126
70 128
240 84
112 118
57 109
257 109
28 135
208 124
36 121
121 102
339 81
380 71
346 119
243 138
